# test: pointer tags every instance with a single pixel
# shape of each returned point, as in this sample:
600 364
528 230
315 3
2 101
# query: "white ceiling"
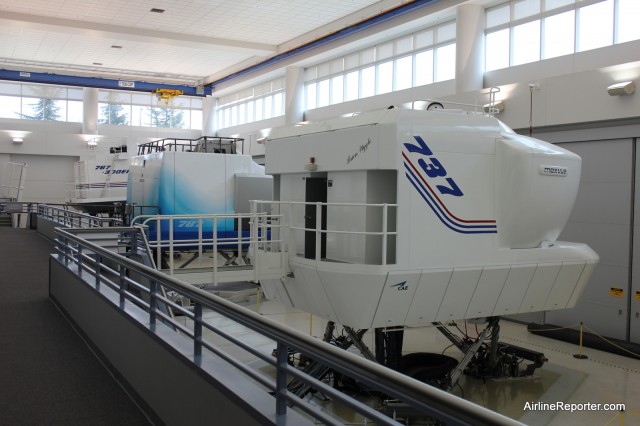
192 42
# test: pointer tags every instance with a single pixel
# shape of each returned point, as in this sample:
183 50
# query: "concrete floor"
601 378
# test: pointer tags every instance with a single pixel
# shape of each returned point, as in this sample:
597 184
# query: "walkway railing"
251 236
356 233
97 190
73 219
109 272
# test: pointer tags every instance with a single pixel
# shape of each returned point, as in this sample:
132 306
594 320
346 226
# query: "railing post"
134 242
281 379
171 265
200 242
318 233
98 270
384 233
215 250
197 333
240 236
292 240
61 248
253 243
79 260
123 286
158 243
67 252
153 304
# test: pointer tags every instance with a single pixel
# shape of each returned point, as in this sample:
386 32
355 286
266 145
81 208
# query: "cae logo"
401 286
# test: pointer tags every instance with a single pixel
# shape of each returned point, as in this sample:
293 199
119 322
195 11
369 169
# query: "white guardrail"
110 274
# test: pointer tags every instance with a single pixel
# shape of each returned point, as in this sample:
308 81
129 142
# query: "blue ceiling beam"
353 29
101 83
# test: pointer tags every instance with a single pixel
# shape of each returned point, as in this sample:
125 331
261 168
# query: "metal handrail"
190 145
83 191
87 260
73 219
260 235
385 233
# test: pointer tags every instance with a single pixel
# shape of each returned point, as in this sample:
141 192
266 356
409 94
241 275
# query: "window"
527 38
525 8
323 93
337 89
559 35
497 50
311 95
385 77
446 63
523 31
268 107
353 83
278 104
368 82
596 26
422 58
628 15
120 108
256 103
10 106
424 68
554 4
403 78
40 102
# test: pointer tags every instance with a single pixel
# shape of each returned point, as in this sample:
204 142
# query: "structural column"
90 111
469 48
209 121
294 98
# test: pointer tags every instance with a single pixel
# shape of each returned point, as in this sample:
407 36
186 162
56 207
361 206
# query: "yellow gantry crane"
167 94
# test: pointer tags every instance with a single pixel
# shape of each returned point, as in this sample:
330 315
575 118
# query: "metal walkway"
48 374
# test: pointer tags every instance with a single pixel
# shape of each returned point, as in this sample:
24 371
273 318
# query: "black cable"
445 349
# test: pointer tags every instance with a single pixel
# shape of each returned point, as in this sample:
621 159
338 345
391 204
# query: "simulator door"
316 192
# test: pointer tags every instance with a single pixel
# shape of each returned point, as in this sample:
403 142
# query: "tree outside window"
42 109
113 114
166 117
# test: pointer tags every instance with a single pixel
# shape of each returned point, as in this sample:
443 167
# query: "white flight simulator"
408 218
386 220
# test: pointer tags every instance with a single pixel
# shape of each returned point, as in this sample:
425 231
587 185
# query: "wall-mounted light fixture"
92 142
621 89
17 140
494 108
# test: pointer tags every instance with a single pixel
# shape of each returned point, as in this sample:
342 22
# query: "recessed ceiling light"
115 46
154 10
97 63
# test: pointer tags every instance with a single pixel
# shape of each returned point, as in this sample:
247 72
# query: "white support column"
469 48
209 122
294 98
90 111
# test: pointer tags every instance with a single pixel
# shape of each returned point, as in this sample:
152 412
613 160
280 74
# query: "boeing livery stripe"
463 229
440 210
436 208
407 161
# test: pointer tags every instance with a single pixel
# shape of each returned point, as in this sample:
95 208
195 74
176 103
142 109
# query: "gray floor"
48 374
602 378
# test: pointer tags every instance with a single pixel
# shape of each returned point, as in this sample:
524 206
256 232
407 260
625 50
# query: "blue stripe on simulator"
434 169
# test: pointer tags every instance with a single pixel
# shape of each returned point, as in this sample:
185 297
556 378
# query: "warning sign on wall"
616 292
637 295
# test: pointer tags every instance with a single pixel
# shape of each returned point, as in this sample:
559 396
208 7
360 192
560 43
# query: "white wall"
50 148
